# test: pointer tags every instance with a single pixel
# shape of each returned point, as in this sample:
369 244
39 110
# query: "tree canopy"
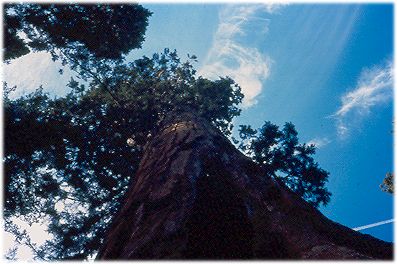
85 36
283 156
68 161
105 31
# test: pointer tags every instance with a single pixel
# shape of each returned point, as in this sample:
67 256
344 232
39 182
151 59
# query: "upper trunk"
196 196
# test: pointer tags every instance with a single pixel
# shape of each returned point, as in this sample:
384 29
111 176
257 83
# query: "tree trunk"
195 196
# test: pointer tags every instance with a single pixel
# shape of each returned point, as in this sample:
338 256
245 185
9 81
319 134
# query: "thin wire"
373 225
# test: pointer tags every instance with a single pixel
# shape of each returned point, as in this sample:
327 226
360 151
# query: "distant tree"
388 183
280 153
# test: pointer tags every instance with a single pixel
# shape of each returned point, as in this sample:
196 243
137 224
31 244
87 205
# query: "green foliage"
280 153
387 183
80 31
67 161
15 47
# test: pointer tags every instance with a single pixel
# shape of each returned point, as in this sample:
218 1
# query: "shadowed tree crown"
104 31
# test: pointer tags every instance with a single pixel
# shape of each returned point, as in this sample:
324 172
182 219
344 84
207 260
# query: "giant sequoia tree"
196 196
138 165
68 161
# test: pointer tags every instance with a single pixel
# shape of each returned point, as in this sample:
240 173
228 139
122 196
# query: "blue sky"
326 68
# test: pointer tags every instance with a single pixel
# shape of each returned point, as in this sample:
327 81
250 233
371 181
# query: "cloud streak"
231 55
373 225
374 87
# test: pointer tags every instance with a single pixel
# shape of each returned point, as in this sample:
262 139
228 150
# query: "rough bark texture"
195 196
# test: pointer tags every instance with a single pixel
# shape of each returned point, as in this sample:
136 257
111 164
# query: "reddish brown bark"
196 196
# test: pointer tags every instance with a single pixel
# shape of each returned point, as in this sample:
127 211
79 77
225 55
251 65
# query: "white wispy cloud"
319 142
374 87
231 56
